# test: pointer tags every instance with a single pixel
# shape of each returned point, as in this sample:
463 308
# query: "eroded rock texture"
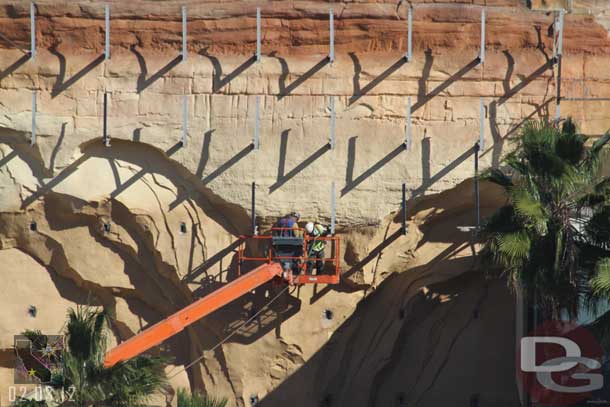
148 225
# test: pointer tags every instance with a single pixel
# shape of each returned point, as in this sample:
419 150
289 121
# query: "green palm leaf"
537 238
185 399
601 280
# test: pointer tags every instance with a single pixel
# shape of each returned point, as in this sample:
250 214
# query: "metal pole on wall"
33 138
258 34
255 142
184 120
332 123
409 54
253 217
408 131
558 60
105 138
107 32
331 53
482 52
332 208
184 50
404 208
32 30
476 186
481 124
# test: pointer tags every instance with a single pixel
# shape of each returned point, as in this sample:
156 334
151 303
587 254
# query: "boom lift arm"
177 322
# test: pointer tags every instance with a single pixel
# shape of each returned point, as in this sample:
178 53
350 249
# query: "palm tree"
185 399
128 383
552 236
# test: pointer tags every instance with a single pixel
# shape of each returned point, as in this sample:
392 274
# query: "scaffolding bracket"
404 208
184 120
107 32
32 30
331 53
105 138
256 139
409 54
331 141
481 124
258 34
408 130
184 50
253 216
34 111
558 61
559 26
477 209
332 209
482 51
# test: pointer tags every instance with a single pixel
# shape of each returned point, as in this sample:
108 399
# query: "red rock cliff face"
297 27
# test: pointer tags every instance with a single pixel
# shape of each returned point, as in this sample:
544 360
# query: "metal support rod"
476 186
331 53
332 209
256 141
482 52
560 33
254 231
258 34
184 50
107 32
184 120
332 123
481 124
408 131
34 109
32 30
558 60
105 138
558 97
409 54
404 208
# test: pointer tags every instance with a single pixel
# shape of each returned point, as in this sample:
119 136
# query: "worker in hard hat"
315 249
289 224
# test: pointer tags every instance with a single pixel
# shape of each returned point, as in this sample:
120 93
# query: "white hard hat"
309 227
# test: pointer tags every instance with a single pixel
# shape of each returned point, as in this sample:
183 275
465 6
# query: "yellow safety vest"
318 244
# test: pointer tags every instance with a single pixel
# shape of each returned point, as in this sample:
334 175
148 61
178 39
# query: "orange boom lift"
287 261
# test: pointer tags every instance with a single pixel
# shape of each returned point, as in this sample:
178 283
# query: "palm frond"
185 399
598 227
601 281
515 246
527 206
497 177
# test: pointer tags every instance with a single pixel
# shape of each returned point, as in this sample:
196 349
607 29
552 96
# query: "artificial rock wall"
146 80
109 220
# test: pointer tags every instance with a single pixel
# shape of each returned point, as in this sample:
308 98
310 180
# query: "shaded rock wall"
109 221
